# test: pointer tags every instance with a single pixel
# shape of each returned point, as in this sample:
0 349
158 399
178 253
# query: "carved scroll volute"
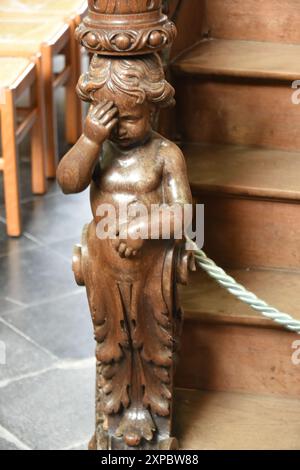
125 27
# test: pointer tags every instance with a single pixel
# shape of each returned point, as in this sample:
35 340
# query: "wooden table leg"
38 144
73 103
10 156
51 118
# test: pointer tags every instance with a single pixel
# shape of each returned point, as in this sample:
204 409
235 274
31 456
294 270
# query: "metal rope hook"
239 291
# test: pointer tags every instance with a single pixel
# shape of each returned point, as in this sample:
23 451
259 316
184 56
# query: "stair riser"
238 358
237 111
190 23
267 20
241 233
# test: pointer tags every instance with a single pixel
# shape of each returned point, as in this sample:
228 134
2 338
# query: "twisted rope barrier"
239 291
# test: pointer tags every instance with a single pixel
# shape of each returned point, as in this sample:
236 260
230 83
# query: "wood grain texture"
243 171
232 421
251 199
238 358
241 112
133 297
204 299
228 346
38 140
241 59
268 20
119 7
241 232
10 164
190 22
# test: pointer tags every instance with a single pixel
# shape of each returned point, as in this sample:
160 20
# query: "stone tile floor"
47 381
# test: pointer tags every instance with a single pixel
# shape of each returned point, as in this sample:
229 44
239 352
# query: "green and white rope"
239 291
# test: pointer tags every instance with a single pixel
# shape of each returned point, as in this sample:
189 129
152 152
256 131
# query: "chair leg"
73 103
38 170
51 118
11 172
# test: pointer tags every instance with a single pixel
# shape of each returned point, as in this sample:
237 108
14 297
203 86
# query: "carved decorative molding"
131 27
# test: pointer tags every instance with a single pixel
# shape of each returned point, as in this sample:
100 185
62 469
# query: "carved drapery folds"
127 27
137 327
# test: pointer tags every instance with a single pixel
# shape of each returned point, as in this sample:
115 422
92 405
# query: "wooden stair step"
233 421
267 20
227 346
239 111
204 299
243 170
251 200
235 58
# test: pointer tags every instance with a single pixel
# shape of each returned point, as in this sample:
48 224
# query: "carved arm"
76 169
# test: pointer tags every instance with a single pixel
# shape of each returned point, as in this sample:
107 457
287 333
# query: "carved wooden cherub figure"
130 279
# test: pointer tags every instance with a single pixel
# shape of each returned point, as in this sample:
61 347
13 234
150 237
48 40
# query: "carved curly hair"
141 77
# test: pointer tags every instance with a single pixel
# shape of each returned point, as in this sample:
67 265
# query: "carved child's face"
134 120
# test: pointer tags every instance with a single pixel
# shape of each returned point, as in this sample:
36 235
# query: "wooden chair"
44 39
16 76
72 12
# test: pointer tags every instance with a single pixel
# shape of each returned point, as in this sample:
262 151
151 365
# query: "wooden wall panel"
246 112
237 358
261 20
252 233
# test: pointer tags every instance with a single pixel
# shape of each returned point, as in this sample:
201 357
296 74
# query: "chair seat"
43 6
21 35
11 68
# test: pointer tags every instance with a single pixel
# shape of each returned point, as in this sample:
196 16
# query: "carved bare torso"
132 177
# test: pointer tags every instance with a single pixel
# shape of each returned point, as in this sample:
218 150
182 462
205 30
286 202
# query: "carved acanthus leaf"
107 313
157 394
117 381
136 424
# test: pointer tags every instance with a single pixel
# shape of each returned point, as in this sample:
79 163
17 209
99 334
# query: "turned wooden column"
131 280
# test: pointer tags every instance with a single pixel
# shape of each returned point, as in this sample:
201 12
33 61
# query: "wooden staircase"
239 131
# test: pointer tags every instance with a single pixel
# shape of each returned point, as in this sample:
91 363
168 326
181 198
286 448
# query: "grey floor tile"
82 446
56 218
21 356
7 305
35 275
63 326
6 445
24 181
54 410
38 295
9 245
25 185
65 247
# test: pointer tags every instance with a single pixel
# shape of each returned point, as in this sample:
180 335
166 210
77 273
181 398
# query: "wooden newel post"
130 269
130 27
